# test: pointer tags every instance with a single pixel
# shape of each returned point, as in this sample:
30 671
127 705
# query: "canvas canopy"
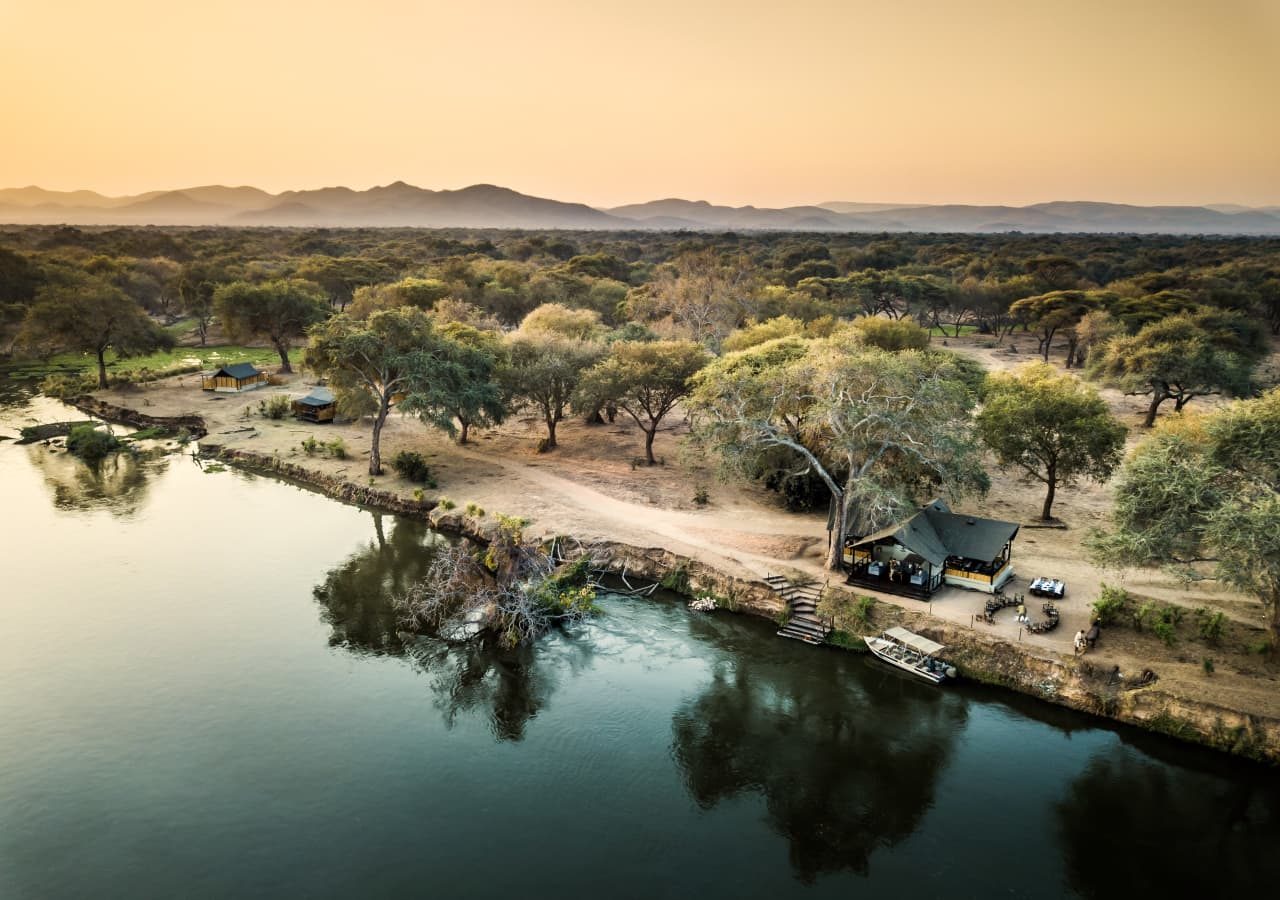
936 533
915 641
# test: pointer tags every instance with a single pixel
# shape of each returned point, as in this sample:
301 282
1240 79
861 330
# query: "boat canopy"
914 641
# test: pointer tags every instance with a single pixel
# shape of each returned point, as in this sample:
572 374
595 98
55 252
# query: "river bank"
722 552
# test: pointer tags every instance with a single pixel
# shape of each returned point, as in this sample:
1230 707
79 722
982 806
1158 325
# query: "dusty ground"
592 488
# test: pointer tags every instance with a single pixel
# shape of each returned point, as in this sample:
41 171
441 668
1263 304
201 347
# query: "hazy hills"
488 206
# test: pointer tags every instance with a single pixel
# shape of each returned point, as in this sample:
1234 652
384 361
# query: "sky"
607 102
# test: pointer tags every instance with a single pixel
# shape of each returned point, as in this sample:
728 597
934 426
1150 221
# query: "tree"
91 317
557 319
891 334
645 380
1059 311
478 398
543 369
420 292
395 353
1052 427
1180 358
880 429
1203 490
279 311
701 292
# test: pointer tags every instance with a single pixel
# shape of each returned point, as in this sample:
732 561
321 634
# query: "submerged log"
32 433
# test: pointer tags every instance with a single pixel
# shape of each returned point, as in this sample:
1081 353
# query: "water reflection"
507 687
845 764
1127 825
117 483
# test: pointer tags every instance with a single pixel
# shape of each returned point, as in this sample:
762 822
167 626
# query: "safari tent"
234 378
317 406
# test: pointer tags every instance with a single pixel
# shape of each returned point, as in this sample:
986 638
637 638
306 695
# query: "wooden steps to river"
802 599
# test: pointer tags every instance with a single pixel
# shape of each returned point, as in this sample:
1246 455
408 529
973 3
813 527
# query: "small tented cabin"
932 548
317 406
233 379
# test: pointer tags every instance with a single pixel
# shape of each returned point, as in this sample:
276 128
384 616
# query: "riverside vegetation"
818 365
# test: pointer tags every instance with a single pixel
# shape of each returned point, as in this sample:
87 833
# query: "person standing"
1022 613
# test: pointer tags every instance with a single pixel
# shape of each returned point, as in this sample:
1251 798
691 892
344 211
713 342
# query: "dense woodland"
817 364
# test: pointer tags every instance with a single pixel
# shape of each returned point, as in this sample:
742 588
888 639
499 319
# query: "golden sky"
608 102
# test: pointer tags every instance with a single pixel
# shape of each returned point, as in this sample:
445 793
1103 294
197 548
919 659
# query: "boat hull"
884 651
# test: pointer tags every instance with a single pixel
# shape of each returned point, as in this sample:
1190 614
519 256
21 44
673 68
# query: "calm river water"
202 695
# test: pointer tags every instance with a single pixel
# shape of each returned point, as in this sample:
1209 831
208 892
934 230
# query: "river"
202 694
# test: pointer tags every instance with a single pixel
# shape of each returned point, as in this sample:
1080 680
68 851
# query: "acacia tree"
1059 312
89 316
543 369
645 380
394 353
477 400
1052 427
1203 490
880 429
279 311
1180 358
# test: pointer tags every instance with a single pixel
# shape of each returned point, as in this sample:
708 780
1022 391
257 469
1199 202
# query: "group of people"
1086 640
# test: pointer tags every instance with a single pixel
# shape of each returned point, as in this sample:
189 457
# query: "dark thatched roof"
935 533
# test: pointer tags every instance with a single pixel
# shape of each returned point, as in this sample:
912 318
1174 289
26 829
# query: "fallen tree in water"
514 588
32 433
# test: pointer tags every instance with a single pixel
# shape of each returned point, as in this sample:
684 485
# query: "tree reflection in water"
478 676
117 483
845 764
1131 827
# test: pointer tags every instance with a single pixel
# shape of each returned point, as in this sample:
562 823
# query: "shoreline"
1037 671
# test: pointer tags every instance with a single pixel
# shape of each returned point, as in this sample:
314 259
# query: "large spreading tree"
89 316
1204 490
1185 356
1059 312
280 311
542 369
645 380
882 430
1052 427
396 354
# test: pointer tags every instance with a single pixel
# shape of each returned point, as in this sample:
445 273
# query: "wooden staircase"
802 598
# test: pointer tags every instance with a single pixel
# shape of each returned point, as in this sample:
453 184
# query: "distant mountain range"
488 206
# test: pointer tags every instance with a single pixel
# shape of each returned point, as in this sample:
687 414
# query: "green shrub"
701 497
65 387
676 580
1211 624
445 503
1111 605
90 444
412 466
1208 665
337 448
276 407
417 494
1161 618
475 509
310 446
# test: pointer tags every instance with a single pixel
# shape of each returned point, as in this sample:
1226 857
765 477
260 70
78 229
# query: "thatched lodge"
233 379
932 548
317 406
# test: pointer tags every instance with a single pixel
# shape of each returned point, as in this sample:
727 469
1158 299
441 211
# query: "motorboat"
913 653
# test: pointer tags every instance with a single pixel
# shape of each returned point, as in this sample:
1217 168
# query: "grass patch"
160 361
